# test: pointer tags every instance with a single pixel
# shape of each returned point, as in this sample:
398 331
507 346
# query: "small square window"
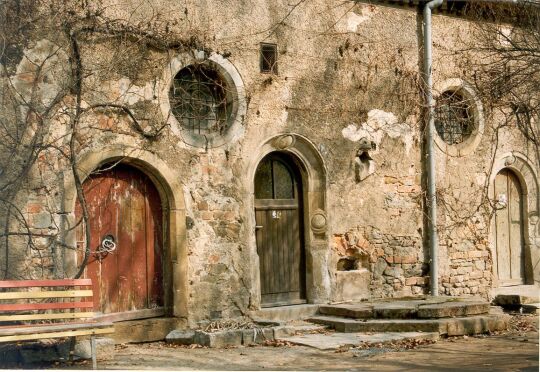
268 62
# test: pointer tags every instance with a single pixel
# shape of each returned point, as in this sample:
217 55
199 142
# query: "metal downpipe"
430 129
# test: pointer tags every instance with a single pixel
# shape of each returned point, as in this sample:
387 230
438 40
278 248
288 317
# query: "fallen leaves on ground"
277 343
398 345
523 323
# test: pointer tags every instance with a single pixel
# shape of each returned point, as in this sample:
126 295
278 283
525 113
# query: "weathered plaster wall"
344 73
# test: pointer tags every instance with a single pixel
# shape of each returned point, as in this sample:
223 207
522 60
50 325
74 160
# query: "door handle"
258 227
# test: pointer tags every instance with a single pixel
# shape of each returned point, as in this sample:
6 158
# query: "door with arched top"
124 207
279 219
509 229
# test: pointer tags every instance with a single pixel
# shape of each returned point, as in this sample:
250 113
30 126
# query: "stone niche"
352 285
352 277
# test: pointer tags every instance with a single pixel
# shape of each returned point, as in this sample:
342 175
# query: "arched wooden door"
278 214
509 229
124 204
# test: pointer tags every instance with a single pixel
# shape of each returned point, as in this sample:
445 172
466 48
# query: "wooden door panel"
501 219
154 245
509 229
515 213
278 235
124 203
279 251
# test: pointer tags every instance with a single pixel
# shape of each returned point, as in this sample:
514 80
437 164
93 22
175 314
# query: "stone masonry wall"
346 74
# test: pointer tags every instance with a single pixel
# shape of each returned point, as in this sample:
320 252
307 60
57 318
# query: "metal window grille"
199 100
268 58
453 120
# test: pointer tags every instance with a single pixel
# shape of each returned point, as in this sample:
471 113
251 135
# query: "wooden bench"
39 309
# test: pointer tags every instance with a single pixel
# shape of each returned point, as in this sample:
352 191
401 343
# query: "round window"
203 99
200 100
454 119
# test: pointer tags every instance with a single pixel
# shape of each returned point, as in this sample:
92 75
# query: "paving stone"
337 340
452 309
257 336
104 349
291 330
219 339
181 337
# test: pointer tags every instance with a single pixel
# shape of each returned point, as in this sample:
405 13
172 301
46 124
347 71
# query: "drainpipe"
431 196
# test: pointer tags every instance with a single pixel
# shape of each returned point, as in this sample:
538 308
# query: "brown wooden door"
278 214
124 203
509 228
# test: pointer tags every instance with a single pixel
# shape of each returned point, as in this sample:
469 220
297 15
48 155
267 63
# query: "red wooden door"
278 214
124 203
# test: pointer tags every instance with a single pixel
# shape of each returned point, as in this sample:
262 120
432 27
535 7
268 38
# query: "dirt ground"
513 350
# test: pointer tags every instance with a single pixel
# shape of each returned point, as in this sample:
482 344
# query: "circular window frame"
471 143
235 87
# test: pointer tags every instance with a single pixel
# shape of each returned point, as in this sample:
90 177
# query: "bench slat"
45 294
94 331
18 317
45 283
47 306
36 329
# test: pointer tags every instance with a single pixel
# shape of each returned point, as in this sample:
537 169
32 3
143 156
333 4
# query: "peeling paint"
351 21
378 124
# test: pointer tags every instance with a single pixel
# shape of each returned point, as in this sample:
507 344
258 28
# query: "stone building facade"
335 98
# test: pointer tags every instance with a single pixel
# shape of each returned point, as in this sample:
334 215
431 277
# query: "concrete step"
444 326
407 309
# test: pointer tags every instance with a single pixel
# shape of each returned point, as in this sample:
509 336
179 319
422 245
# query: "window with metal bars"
453 117
199 100
268 58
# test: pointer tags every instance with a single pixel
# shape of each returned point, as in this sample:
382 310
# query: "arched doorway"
279 231
124 207
509 229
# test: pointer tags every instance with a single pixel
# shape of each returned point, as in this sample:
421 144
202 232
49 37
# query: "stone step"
515 300
285 313
378 325
531 308
333 341
453 309
406 309
515 296
444 326
357 311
